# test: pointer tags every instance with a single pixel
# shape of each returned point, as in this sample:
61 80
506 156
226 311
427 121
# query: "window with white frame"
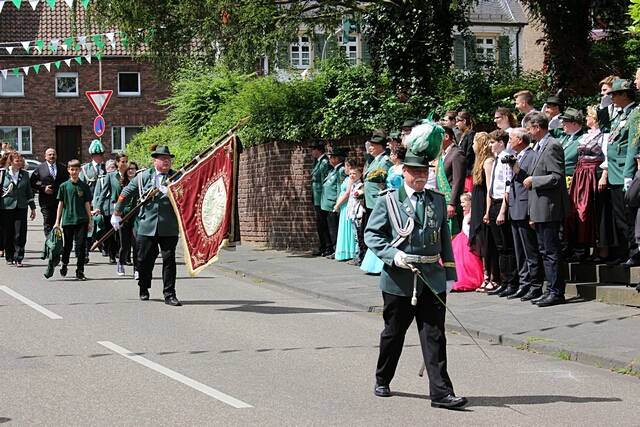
300 55
12 85
129 84
486 48
350 48
67 84
19 137
121 135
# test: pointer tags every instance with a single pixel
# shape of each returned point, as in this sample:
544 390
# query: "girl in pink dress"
469 267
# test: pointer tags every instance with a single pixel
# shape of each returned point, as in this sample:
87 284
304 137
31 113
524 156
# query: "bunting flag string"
67 43
36 67
51 3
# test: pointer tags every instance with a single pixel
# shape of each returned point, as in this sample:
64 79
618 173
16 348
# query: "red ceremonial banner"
204 201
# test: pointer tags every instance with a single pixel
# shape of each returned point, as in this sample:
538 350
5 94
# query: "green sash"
445 188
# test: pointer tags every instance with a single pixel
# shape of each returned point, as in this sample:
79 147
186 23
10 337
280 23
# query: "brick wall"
274 195
43 111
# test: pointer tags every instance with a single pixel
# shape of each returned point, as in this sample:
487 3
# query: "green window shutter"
458 52
504 49
470 50
366 53
283 55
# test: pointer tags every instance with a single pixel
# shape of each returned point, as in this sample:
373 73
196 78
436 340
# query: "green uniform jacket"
371 189
431 238
618 144
570 146
331 188
156 217
319 172
89 175
632 148
107 185
21 194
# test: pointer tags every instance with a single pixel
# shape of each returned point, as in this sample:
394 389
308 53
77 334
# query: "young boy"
355 209
74 212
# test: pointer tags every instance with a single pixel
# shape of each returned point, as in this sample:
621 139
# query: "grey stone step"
583 273
606 293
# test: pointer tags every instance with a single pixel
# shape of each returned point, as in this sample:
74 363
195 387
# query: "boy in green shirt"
74 212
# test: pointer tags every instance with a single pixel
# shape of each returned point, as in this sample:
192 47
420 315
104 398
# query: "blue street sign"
99 126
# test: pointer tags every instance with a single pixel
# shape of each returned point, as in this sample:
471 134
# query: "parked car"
31 165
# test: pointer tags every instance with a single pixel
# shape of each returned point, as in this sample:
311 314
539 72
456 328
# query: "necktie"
420 207
52 171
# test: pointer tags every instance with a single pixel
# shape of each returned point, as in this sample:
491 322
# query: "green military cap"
572 115
377 139
621 85
317 144
161 150
415 161
338 152
555 100
409 123
96 147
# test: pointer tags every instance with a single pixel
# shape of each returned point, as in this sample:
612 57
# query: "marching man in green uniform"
157 226
408 231
319 171
330 192
375 173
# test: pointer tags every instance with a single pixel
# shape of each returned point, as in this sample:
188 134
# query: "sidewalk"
589 332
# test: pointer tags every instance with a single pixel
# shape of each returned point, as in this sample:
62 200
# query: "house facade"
47 107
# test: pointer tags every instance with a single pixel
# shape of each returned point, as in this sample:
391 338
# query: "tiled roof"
498 12
25 24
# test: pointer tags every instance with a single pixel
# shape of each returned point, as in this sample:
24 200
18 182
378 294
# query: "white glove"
450 285
627 183
116 222
398 260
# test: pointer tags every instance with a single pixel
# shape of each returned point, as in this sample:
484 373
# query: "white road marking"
41 309
225 398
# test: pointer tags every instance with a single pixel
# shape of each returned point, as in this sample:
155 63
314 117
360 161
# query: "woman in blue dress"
371 264
346 240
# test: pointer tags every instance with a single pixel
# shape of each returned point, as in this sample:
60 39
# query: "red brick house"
49 108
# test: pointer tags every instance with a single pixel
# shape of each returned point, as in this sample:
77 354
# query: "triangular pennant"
78 59
25 45
125 41
111 37
88 58
53 46
48 66
85 3
15 71
68 43
17 3
4 73
26 70
57 64
82 41
34 3
68 62
39 45
69 3
51 3
97 40
9 49
36 68
1 6
99 56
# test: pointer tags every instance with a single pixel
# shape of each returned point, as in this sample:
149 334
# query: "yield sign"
99 99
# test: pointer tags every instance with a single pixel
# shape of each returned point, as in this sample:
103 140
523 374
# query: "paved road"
241 352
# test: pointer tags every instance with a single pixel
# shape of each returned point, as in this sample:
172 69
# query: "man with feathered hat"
408 231
89 174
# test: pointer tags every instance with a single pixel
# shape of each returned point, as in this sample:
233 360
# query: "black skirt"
477 228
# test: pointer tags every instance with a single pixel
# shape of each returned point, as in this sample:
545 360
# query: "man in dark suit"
46 180
548 204
524 237
454 166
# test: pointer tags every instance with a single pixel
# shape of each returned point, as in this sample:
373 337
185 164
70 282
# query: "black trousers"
323 228
48 217
127 238
527 257
75 234
551 251
622 229
501 237
14 228
148 251
333 220
398 315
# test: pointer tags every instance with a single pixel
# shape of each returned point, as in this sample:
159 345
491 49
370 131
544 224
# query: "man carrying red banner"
157 226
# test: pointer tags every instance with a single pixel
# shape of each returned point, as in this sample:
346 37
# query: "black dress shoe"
63 270
332 255
540 298
522 291
382 390
173 301
534 293
327 252
632 262
551 299
616 261
80 275
507 292
318 252
144 295
449 401
497 290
